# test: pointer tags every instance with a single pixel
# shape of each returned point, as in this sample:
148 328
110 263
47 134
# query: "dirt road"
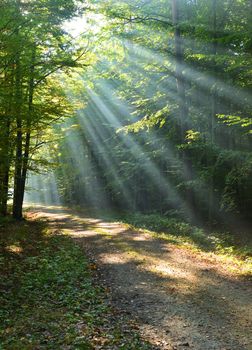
180 299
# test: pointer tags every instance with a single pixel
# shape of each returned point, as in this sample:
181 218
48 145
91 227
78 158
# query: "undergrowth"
48 297
185 234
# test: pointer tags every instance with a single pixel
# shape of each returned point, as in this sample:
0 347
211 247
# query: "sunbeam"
138 153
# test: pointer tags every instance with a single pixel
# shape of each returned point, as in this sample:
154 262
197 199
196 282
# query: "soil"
179 299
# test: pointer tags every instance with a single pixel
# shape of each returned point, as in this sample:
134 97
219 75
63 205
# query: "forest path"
179 298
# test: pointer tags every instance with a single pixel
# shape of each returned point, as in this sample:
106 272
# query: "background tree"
34 48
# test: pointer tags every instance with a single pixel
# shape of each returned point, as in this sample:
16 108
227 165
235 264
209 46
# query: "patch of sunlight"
155 265
14 249
35 205
108 225
173 271
86 220
112 259
230 263
111 233
79 234
186 277
115 230
56 216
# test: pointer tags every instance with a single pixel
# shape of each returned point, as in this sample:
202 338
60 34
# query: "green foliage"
238 190
233 120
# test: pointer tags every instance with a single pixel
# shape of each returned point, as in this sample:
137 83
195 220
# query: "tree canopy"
148 110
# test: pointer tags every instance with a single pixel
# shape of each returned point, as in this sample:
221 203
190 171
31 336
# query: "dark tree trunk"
22 160
182 105
5 146
213 114
17 200
5 172
179 63
28 129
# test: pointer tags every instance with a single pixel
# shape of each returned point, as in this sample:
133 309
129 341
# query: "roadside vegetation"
233 248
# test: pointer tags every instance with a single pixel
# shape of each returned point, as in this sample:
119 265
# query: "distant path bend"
179 299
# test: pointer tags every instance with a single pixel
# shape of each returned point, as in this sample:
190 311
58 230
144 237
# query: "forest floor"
50 296
179 298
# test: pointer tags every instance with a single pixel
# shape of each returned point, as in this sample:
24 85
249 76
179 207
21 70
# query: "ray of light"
93 193
95 133
149 167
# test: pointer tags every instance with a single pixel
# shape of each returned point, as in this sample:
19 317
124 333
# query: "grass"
49 298
233 248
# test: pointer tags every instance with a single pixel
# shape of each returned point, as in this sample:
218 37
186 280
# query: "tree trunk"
6 146
22 172
179 62
28 128
5 168
17 207
17 201
213 114
182 105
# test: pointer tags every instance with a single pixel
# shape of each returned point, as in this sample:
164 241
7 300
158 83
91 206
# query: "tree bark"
28 128
17 209
213 114
22 152
5 169
182 107
6 146
179 62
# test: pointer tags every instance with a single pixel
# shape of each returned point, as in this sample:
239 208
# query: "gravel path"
180 299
